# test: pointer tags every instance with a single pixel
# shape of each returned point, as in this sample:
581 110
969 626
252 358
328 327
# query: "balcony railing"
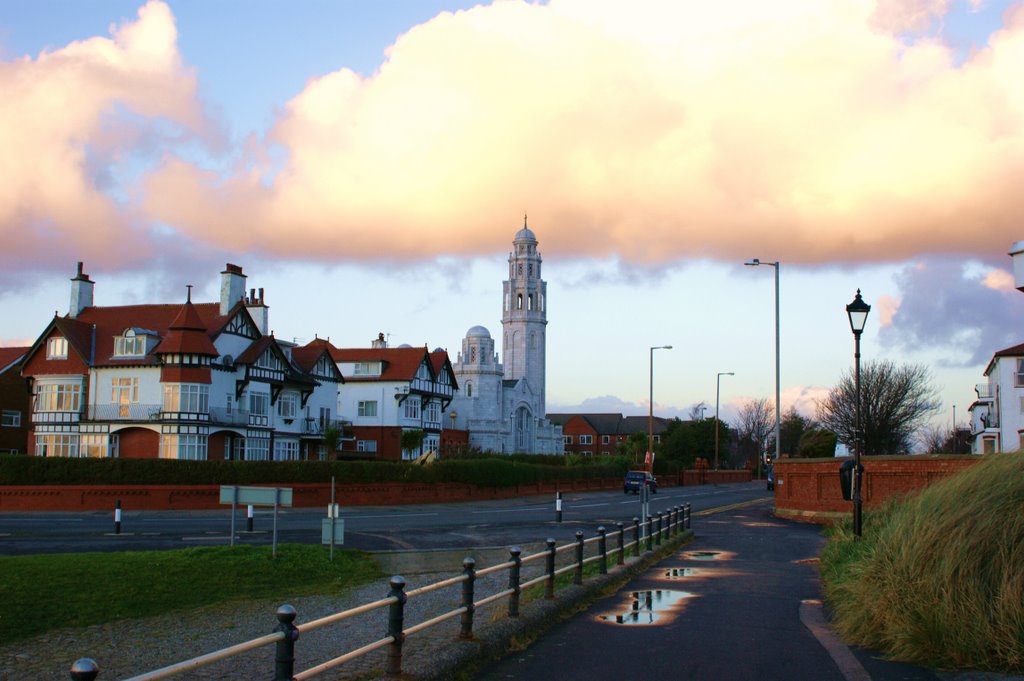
313 426
124 412
986 391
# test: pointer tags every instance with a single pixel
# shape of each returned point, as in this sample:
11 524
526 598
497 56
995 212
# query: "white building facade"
503 406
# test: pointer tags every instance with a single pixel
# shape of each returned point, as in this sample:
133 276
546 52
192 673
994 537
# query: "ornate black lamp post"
858 313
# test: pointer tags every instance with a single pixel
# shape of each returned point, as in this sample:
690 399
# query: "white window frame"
63 445
586 439
367 408
94 445
366 369
605 439
57 348
184 446
1018 376
259 404
411 409
369 446
59 397
432 411
10 418
287 405
286 450
129 344
567 439
191 398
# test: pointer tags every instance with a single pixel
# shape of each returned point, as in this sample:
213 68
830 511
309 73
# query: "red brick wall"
15 396
576 426
809 488
138 443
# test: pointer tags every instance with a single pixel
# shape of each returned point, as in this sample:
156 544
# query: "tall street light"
650 422
778 415
718 385
858 313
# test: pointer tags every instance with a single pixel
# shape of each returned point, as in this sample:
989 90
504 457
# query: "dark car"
634 480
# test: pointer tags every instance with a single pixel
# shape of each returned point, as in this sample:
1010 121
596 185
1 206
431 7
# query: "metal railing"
651 531
124 412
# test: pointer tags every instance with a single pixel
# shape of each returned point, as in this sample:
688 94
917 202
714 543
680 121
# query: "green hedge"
485 472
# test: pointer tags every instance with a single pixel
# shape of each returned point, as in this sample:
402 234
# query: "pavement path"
740 602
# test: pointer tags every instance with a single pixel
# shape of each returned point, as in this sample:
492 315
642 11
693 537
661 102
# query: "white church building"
503 406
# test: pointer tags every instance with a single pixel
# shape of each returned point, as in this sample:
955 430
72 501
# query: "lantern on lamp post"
857 311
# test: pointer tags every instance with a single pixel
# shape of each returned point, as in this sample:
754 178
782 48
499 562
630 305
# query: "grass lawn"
44 592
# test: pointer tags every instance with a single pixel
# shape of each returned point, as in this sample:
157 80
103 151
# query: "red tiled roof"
112 321
187 334
255 349
398 364
8 356
306 356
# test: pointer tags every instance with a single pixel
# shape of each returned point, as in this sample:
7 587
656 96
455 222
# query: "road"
371 528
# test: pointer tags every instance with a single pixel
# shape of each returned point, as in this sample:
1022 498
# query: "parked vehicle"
635 479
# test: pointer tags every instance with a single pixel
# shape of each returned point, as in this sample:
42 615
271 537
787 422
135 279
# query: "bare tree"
756 424
697 411
895 402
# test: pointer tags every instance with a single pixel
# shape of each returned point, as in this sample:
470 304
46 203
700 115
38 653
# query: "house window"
183 447
605 439
58 397
258 404
567 439
57 348
432 412
988 445
657 439
368 408
10 419
287 405
325 417
52 444
586 439
190 398
366 369
257 449
94 445
366 445
469 389
286 450
412 408
124 392
1018 378
129 345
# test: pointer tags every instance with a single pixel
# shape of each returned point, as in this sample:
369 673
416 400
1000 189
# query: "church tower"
524 317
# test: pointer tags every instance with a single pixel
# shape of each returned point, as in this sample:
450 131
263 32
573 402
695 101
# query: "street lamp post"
778 414
650 421
858 314
718 384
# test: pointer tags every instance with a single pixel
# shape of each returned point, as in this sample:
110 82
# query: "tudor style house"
183 381
15 400
388 391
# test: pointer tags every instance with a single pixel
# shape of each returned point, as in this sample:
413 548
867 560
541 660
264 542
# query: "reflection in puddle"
648 606
676 573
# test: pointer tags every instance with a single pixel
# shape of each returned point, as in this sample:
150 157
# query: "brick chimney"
258 310
81 293
232 287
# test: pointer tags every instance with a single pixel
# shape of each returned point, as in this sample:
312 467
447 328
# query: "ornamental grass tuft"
938 578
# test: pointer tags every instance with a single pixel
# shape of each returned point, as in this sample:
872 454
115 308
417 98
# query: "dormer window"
57 348
366 369
130 344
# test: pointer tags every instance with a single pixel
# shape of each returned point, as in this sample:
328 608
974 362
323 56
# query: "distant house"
180 381
15 402
389 391
997 416
601 434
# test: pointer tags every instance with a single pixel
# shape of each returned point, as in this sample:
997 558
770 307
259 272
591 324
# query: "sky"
368 163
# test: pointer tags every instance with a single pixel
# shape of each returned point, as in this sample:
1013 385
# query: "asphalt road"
371 528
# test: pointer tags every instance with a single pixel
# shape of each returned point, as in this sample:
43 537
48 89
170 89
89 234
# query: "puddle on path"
648 607
703 555
679 573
